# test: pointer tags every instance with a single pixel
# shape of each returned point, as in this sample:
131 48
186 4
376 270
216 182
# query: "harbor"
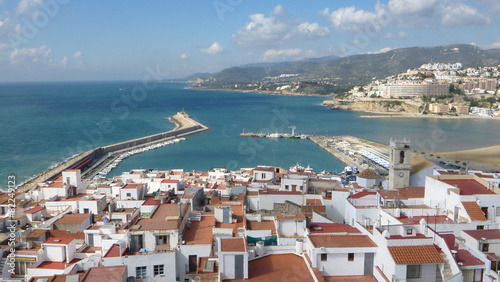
100 160
354 152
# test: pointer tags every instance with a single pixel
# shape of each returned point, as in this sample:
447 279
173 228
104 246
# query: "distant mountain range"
346 72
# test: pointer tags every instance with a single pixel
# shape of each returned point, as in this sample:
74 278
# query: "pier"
91 162
355 151
350 150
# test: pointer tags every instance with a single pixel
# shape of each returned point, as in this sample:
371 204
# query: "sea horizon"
45 125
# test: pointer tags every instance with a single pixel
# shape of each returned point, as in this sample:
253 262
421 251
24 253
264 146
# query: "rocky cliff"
377 106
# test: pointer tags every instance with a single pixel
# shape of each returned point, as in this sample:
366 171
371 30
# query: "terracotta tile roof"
56 265
368 174
404 193
131 186
264 225
332 228
36 233
286 267
350 278
170 181
115 251
66 234
467 259
159 221
58 241
362 194
270 192
233 245
35 209
341 241
468 186
200 232
106 273
264 168
422 254
77 218
489 234
474 211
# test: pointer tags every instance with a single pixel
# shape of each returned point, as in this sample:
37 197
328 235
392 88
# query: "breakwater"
90 162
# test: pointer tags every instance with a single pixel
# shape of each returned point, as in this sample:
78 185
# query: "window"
324 257
158 269
193 263
287 187
480 227
140 272
350 256
413 271
162 239
409 231
129 194
485 247
498 211
263 176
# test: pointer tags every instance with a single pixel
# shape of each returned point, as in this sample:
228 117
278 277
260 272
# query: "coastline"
368 114
486 158
281 93
430 116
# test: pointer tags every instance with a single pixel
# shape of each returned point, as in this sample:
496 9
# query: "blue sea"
42 124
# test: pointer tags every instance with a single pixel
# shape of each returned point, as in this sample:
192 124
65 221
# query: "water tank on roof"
259 248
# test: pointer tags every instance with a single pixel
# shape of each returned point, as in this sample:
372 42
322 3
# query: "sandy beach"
402 115
487 158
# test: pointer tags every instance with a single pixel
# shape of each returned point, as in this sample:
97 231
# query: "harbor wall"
186 126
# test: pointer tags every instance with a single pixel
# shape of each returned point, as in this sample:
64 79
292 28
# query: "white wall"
183 253
335 207
55 253
227 264
149 260
337 264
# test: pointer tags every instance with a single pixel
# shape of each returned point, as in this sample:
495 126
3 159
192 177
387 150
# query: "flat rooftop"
341 241
200 232
286 267
468 186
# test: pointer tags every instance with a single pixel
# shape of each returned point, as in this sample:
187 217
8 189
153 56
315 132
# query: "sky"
68 40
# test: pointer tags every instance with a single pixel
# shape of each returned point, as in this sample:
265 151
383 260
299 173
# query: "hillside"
343 73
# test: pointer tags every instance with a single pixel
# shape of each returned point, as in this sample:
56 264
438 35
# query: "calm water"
43 123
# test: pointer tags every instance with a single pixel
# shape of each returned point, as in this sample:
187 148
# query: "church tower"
399 170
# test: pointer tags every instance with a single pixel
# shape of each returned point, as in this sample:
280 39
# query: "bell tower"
399 170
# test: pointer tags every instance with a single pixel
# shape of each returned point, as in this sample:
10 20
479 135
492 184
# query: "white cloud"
214 49
25 6
276 55
350 18
402 7
184 56
279 11
78 55
4 46
495 44
30 55
462 15
490 4
406 13
400 34
263 31
383 50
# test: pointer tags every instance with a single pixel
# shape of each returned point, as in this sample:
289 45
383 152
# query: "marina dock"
93 161
350 150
